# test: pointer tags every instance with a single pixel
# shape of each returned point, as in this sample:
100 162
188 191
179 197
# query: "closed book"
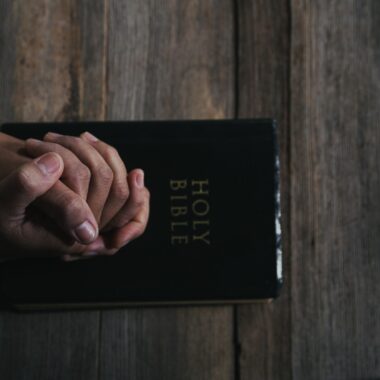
223 246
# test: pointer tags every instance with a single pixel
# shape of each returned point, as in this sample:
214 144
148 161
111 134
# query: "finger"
88 255
133 221
18 194
35 232
101 173
71 213
139 195
42 236
119 191
80 256
133 229
75 174
24 185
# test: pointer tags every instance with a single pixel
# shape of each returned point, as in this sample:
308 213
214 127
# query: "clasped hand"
68 196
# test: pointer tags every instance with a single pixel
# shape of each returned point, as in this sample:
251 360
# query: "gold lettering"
202 237
177 211
199 184
201 202
197 222
175 224
184 209
178 184
180 238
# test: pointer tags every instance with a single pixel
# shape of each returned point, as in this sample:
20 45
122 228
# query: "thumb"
24 185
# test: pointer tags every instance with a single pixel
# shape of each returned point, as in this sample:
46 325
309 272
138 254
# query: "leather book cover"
225 245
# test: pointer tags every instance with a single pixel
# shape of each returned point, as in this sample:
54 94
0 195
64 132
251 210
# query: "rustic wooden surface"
169 60
315 67
263 91
335 189
44 76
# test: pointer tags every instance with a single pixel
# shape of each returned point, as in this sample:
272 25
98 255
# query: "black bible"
213 234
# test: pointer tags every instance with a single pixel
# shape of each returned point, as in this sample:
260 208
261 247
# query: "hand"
127 224
119 204
68 211
18 230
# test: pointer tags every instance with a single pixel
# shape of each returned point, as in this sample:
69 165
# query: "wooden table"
315 67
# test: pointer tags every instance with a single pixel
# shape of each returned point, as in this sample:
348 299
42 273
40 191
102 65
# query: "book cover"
225 245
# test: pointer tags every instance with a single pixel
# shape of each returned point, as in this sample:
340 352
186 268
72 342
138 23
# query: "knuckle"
144 200
55 146
83 173
109 152
105 173
121 191
140 203
50 146
146 193
72 206
76 140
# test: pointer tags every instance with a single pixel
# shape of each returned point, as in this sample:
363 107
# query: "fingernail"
48 163
52 135
88 136
85 233
140 179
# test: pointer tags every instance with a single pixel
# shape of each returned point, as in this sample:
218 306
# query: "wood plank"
7 58
49 71
335 188
169 60
38 345
263 330
167 343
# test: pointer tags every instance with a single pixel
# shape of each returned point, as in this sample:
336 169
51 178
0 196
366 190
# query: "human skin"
94 185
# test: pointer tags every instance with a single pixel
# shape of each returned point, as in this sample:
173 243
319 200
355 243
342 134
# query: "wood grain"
335 189
49 72
167 343
169 60
314 63
263 330
40 345
7 58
